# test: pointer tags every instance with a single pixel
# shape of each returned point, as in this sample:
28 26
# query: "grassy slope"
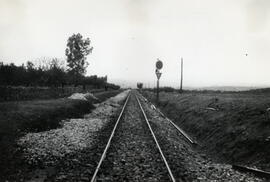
17 118
236 132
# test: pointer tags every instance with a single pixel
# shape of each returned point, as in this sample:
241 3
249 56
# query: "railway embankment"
229 127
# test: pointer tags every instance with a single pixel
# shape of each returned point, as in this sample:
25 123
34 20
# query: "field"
231 127
20 117
29 93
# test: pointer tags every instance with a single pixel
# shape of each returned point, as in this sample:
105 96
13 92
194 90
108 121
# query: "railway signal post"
159 65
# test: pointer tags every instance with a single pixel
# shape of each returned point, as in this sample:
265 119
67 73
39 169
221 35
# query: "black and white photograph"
134 90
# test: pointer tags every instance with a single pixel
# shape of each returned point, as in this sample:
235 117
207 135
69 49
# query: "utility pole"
181 82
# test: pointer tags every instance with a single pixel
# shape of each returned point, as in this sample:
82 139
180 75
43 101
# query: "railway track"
132 152
109 141
161 153
146 147
185 135
257 172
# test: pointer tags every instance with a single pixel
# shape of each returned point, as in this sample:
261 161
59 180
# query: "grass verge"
231 127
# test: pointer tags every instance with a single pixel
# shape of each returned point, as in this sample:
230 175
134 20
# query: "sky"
222 42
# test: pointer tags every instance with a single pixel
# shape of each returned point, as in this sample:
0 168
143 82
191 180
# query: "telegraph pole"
181 82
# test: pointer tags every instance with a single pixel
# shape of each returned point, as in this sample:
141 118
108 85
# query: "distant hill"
132 84
231 89
260 90
228 88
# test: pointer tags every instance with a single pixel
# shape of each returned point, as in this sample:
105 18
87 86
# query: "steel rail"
109 141
160 151
177 127
181 131
257 172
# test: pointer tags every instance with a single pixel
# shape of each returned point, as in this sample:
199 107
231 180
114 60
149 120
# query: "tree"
29 65
31 73
77 50
56 73
139 85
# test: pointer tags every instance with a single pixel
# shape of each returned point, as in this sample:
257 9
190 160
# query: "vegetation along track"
187 164
132 154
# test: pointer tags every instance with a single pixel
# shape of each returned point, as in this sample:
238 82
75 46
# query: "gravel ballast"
133 155
75 134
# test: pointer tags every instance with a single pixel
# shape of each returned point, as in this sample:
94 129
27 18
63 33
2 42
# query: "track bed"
133 155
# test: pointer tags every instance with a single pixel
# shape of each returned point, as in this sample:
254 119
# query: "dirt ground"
229 127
